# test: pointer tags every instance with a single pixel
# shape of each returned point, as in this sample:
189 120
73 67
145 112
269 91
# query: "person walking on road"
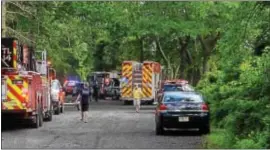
84 95
137 96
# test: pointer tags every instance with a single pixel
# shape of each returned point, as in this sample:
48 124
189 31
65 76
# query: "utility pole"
3 18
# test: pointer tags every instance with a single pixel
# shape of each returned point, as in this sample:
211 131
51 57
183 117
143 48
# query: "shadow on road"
141 112
13 126
182 133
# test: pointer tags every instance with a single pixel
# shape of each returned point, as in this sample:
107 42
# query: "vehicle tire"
159 129
57 111
101 97
50 113
62 108
36 120
205 130
114 96
125 102
41 117
40 120
50 116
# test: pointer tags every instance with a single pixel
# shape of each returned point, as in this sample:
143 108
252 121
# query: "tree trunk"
197 76
183 48
208 45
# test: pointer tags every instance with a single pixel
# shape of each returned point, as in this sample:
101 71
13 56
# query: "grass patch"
217 139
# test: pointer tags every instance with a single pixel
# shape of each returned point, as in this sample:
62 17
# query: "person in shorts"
84 101
137 96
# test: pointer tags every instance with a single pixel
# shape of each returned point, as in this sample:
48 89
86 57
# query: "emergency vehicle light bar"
178 81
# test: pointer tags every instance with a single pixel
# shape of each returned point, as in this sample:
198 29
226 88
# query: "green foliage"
238 96
211 44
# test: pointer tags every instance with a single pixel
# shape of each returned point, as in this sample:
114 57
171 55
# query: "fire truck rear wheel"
38 117
41 119
125 102
36 121
151 102
128 102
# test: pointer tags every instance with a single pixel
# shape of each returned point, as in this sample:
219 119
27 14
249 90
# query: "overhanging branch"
19 34
15 4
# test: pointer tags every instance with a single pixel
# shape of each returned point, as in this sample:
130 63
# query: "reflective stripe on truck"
126 89
147 80
17 93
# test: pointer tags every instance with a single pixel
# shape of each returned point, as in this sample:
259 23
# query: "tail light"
204 106
162 107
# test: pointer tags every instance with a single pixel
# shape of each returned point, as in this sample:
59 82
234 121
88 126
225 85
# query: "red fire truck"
25 95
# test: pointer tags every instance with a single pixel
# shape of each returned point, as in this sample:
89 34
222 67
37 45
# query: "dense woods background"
222 48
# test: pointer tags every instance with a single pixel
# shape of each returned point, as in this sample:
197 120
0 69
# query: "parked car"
76 88
69 86
174 85
180 109
57 96
112 89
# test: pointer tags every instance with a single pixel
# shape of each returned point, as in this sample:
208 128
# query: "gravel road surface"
111 125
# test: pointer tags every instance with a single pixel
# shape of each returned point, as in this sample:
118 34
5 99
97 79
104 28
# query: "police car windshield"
182 97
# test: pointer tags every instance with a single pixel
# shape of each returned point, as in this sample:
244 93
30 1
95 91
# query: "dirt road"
111 125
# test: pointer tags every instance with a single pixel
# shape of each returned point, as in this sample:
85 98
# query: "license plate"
183 119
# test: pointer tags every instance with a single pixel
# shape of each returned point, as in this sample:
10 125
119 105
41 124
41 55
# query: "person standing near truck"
137 96
84 94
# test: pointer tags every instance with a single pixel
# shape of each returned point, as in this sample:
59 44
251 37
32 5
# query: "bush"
240 104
